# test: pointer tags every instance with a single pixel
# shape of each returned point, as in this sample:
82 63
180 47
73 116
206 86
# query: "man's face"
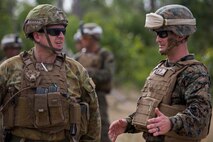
87 41
56 35
11 51
166 41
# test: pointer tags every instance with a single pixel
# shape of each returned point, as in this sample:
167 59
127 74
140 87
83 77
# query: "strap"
26 58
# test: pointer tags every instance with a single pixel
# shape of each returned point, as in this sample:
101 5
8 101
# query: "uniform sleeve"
94 125
194 87
130 128
105 73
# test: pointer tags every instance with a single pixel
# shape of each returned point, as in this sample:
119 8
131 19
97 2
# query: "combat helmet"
42 16
92 29
175 18
12 41
77 36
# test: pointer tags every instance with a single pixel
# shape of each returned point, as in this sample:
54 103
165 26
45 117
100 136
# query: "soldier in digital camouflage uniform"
175 105
99 63
46 96
11 45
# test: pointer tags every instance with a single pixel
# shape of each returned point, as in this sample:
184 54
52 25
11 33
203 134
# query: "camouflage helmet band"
93 31
155 21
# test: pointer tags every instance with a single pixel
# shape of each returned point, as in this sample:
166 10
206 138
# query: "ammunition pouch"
51 110
145 110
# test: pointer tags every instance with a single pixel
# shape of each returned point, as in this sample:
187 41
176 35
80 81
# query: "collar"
185 58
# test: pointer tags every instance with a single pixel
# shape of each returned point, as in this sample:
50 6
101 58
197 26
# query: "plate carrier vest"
42 102
157 92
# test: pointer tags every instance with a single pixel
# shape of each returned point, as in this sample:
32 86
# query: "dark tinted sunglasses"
162 34
54 31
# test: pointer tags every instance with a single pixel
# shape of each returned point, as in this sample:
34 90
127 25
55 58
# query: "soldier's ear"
36 36
181 38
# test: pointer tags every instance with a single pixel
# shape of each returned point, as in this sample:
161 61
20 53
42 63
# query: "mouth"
59 43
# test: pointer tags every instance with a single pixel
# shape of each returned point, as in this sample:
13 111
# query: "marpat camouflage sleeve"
192 90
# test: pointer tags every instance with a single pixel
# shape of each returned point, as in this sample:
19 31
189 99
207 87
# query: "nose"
157 38
61 35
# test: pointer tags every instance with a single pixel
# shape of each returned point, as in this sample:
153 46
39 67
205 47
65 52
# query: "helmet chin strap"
50 47
173 43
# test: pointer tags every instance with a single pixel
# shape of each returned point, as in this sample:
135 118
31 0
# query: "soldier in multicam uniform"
11 45
175 105
46 96
99 63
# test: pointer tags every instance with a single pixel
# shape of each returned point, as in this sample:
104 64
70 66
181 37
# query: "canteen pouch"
145 110
41 111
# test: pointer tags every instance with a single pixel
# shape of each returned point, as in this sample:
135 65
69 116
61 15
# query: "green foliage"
71 30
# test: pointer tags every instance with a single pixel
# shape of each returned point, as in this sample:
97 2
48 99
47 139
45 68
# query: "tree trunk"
76 9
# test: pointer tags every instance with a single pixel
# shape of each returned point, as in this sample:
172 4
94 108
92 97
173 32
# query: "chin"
162 52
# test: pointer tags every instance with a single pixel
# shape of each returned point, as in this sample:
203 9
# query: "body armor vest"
95 61
42 102
157 92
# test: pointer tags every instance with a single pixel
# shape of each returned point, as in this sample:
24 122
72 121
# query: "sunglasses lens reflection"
162 34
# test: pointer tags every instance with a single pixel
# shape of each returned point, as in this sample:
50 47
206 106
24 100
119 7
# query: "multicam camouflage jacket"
191 90
80 86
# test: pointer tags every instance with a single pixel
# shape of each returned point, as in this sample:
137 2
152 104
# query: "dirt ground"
122 102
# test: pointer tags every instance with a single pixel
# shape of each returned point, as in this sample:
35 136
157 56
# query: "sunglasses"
54 31
162 34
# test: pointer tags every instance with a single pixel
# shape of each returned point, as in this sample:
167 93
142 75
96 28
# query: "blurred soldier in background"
11 45
99 63
78 45
46 96
77 39
175 105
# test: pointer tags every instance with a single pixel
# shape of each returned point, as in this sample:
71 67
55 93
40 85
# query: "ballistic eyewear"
54 31
162 34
